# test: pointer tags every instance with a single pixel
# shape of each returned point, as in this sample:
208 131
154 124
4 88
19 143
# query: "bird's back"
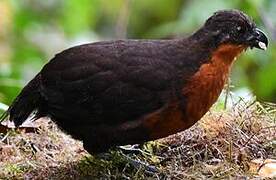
123 78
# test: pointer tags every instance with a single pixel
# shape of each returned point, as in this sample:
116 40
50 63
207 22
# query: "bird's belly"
178 116
167 121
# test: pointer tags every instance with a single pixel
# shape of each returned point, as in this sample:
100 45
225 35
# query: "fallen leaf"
264 168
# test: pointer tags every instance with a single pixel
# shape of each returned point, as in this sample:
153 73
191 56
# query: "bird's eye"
239 29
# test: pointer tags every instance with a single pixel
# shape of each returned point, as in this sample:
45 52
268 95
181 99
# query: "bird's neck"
206 84
205 39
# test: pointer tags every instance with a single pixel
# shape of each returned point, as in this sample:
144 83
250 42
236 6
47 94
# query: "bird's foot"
126 152
134 149
140 164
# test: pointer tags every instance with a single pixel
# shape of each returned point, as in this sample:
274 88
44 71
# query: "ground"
225 144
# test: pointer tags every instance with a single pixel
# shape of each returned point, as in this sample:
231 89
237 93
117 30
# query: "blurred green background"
32 32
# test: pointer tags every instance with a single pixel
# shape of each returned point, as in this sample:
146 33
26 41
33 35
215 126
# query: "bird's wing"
107 82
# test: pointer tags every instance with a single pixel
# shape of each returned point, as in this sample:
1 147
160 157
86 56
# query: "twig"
251 137
227 93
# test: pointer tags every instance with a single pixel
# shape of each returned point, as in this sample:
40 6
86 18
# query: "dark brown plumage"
131 91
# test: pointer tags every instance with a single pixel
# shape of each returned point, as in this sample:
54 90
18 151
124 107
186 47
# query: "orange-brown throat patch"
206 85
226 53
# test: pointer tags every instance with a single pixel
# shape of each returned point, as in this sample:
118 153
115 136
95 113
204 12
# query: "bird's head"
235 27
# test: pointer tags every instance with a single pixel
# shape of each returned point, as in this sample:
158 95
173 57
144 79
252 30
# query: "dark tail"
25 103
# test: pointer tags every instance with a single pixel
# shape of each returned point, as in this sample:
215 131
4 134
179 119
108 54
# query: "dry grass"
220 146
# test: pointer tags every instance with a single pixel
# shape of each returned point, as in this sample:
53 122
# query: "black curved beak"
257 39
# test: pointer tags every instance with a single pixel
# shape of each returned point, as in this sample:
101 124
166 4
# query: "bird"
119 92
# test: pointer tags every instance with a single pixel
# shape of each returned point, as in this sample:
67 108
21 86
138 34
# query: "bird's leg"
133 149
